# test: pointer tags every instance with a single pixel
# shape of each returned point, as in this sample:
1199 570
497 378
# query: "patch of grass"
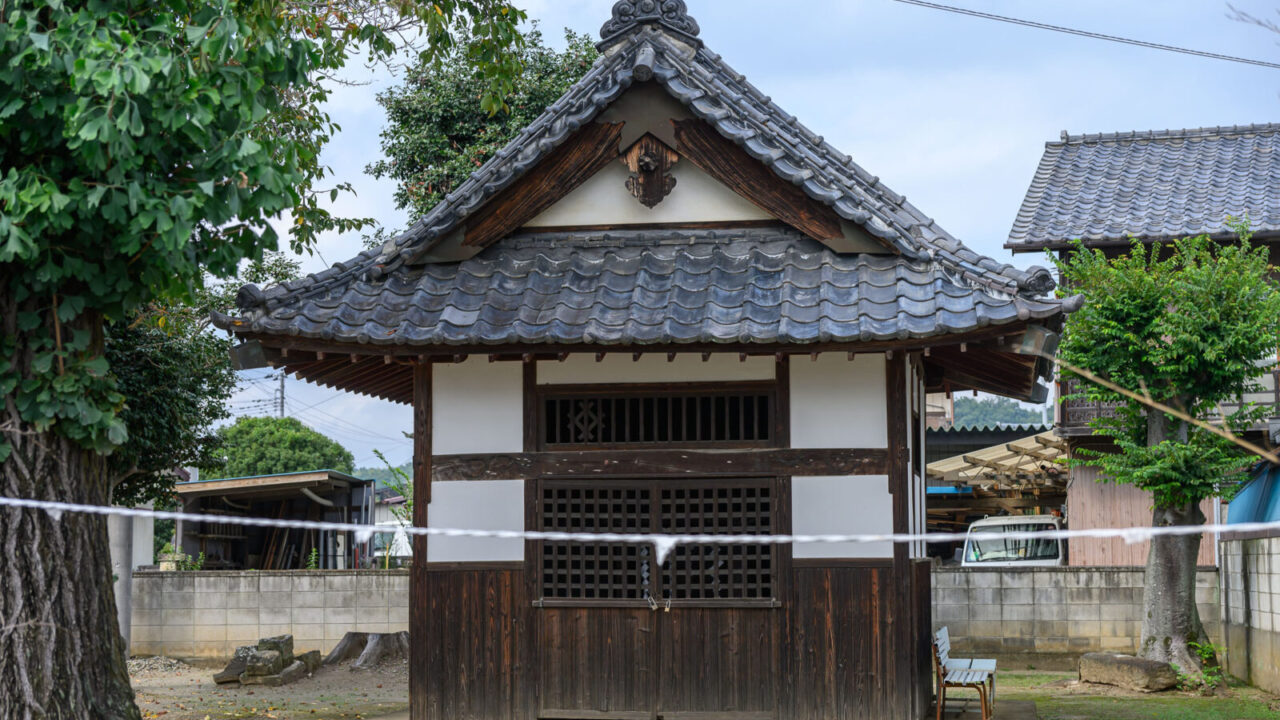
1099 703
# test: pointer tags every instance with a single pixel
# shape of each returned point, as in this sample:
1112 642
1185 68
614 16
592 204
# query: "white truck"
1022 552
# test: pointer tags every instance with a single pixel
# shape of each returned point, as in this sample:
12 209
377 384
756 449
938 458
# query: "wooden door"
717 662
597 662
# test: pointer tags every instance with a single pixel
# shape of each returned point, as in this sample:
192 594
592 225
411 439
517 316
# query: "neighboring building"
326 495
1156 186
666 307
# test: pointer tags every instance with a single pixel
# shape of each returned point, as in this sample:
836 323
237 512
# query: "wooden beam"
962 503
564 169
419 587
662 463
720 158
436 353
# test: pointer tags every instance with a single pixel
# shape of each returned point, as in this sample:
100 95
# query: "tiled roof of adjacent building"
1155 185
405 292
759 285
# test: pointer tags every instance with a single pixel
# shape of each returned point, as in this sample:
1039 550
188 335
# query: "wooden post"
419 592
901 616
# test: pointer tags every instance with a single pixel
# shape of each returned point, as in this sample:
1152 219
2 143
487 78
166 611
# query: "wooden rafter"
568 166
705 147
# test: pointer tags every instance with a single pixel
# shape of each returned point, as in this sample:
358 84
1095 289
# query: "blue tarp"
1259 499
944 490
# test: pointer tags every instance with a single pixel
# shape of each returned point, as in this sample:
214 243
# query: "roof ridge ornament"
628 15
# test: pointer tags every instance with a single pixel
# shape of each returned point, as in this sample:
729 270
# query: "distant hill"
993 412
379 474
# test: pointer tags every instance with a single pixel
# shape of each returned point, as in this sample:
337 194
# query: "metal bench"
978 674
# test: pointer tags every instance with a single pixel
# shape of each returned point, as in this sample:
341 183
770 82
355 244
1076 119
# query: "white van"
995 552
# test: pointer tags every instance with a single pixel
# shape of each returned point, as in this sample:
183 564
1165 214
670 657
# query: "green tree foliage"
438 133
267 446
176 377
993 412
1188 325
143 145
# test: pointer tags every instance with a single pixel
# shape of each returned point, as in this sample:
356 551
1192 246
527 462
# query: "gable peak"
629 15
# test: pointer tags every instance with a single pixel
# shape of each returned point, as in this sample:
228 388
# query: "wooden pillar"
419 592
901 615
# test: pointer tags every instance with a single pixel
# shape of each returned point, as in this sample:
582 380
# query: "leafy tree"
268 446
176 378
993 412
141 146
1187 325
438 134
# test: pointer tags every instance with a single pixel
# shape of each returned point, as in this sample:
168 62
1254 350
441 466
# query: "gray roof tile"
763 285
1155 185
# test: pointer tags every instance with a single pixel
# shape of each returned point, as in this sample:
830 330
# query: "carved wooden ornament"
650 161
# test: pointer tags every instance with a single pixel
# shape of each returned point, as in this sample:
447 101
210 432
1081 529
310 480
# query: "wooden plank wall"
481 651
829 651
1091 504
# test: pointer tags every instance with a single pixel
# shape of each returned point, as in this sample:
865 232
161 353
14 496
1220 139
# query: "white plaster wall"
653 367
477 407
476 505
697 197
837 402
605 200
841 505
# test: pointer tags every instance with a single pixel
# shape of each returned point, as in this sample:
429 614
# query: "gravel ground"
172 690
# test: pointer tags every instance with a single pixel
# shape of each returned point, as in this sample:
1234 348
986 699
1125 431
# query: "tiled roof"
761 285
367 299
1163 184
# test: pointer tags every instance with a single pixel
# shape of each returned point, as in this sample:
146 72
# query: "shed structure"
1156 186
666 306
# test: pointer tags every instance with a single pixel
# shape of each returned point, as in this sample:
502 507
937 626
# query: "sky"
952 111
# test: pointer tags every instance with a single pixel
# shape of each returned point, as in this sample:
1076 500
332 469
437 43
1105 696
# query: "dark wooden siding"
839 646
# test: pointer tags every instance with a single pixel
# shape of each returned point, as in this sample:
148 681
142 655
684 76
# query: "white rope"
663 543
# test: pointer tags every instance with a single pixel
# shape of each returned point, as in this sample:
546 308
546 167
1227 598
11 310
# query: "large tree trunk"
61 654
1170 618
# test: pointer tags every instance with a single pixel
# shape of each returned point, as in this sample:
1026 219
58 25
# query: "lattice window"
619 572
718 572
588 417
603 571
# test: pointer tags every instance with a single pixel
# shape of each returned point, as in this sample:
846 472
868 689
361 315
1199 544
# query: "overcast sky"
951 111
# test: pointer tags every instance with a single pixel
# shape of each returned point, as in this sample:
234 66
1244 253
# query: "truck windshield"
1000 550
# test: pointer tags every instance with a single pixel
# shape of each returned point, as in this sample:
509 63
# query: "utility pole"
280 396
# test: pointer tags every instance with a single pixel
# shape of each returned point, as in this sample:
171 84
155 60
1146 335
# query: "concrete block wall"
208 614
1251 610
1050 616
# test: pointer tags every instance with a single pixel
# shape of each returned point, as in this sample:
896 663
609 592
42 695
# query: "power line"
1086 33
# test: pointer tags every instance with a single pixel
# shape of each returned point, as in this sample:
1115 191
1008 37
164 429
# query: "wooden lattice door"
623 637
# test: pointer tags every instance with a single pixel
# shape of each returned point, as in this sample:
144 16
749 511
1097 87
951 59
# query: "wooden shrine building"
666 307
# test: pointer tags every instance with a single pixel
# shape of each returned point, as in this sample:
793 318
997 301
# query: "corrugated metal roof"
1155 185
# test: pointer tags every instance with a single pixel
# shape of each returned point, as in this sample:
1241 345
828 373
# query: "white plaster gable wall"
841 505
837 402
479 505
477 407
654 367
604 199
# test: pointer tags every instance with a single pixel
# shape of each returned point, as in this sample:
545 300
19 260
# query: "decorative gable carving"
650 161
